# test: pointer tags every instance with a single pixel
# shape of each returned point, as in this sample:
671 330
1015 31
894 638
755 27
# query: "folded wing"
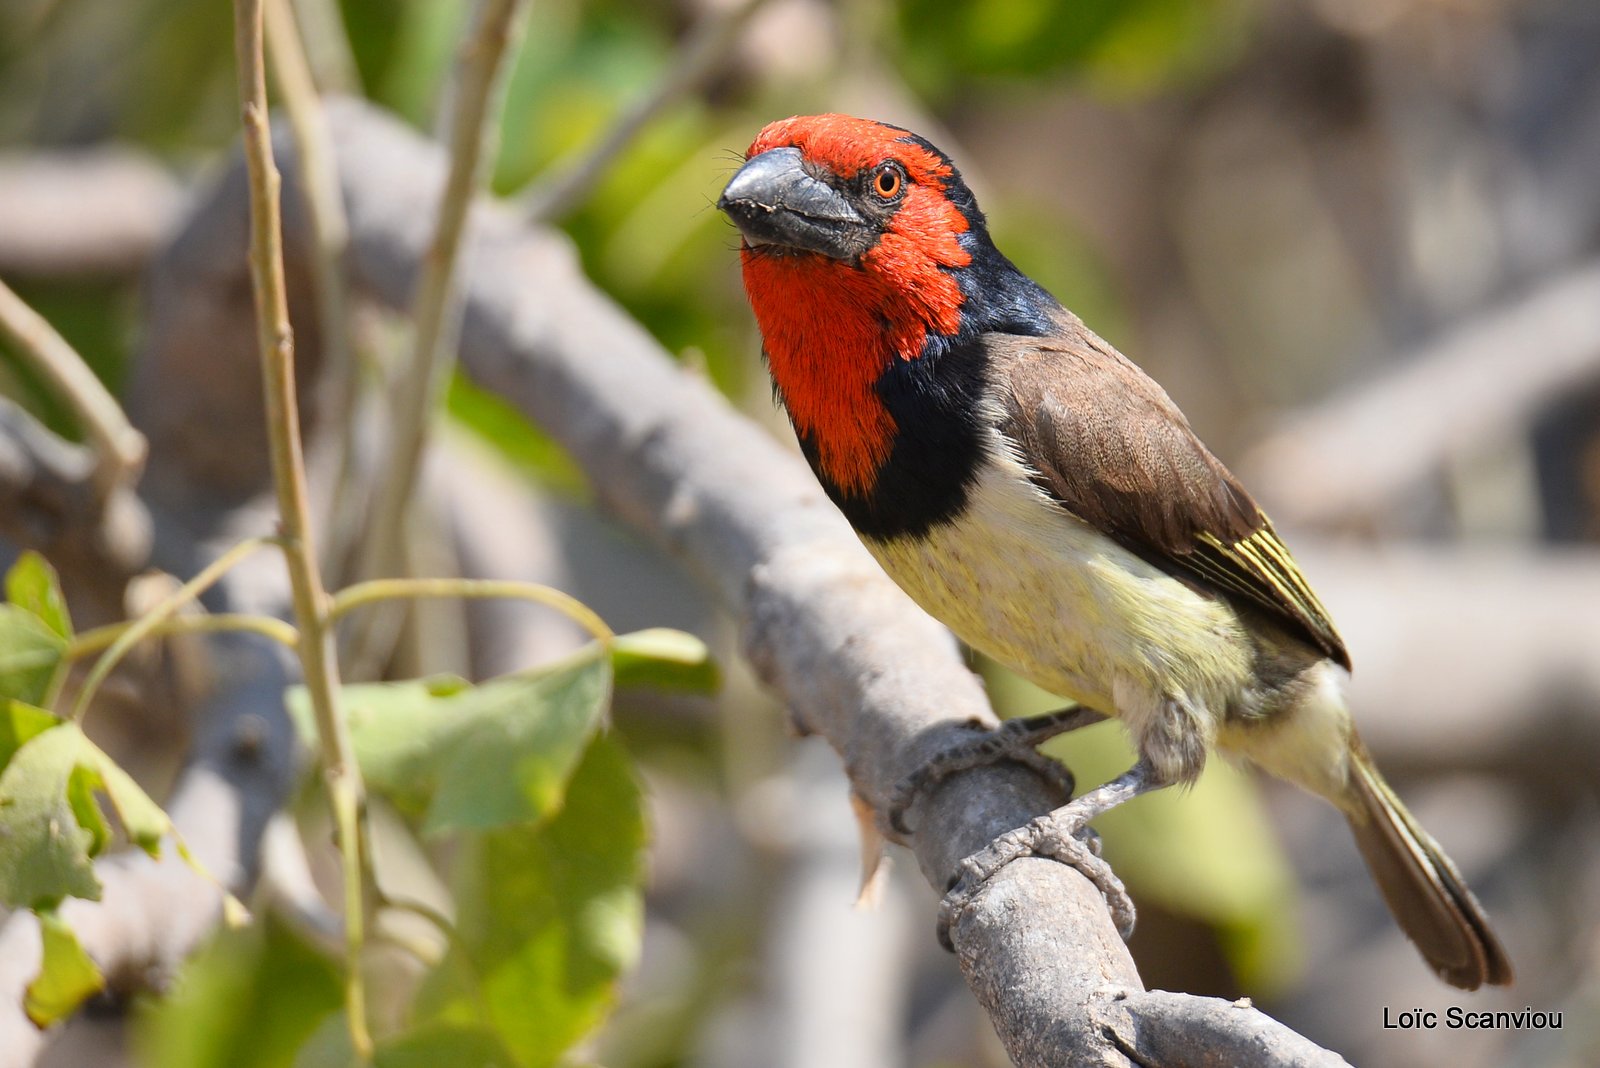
1108 444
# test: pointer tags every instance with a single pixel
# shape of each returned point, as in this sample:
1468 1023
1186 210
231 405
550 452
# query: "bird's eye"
887 181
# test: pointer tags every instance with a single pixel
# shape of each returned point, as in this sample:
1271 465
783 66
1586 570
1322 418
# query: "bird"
1034 490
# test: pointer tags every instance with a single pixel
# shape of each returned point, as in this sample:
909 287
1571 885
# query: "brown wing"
1109 444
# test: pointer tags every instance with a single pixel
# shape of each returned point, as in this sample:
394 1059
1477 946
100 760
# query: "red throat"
832 328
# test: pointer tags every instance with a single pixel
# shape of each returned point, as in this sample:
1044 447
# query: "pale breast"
1025 582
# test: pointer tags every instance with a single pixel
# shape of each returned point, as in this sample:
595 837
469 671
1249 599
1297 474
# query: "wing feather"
1108 443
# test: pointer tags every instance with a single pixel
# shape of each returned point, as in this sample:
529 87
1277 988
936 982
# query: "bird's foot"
1061 836
1015 739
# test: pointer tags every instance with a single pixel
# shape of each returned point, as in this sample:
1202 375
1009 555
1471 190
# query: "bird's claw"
1012 740
1059 836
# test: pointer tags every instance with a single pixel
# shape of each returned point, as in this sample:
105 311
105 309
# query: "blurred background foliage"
1261 201
158 74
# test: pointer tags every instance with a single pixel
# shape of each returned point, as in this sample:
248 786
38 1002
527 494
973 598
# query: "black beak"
774 201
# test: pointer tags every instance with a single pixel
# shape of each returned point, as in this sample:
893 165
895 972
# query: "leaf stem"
93 641
318 664
132 633
461 955
377 590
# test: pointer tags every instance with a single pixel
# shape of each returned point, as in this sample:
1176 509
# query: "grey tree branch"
857 662
49 501
154 913
1469 657
1353 456
77 214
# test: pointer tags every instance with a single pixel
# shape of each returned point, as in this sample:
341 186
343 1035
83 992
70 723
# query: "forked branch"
856 661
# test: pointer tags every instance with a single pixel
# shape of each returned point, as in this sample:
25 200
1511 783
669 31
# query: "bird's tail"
1426 894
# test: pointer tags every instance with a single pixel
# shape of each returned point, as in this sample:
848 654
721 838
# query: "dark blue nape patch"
997 298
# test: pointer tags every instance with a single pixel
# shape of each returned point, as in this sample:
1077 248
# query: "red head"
853 233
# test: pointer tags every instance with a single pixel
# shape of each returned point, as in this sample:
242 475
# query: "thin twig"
316 652
473 138
119 448
330 238
379 590
93 641
702 52
332 61
148 622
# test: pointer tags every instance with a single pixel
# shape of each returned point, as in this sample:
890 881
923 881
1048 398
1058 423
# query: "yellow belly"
1023 581
1026 583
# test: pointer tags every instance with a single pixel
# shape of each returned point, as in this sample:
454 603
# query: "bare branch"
318 663
119 448
1160 1028
1353 456
332 62
1469 657
330 235
155 913
840 980
49 502
77 214
856 660
473 137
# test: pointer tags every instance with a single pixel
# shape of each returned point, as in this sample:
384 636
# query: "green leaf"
31 585
512 764
51 824
1122 45
548 919
328 1047
145 822
44 851
67 976
663 659
430 1047
513 435
481 757
29 653
18 723
81 785
249 999
395 728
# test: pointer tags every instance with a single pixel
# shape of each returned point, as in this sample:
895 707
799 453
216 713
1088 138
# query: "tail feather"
1424 891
